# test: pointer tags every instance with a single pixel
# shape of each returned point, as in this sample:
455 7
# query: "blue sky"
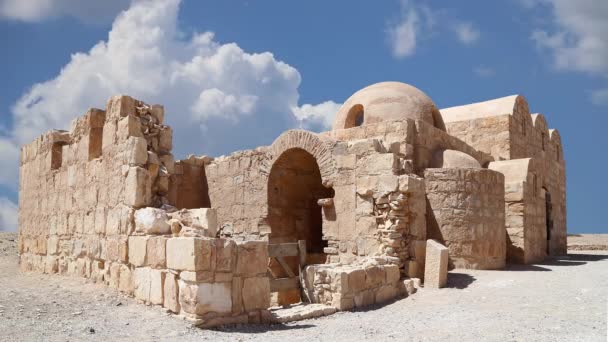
273 65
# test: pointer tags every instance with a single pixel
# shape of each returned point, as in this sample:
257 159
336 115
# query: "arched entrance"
294 187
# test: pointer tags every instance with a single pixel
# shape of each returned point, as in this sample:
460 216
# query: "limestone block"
252 258
158 112
204 219
364 298
171 293
203 298
189 254
392 274
117 248
125 282
165 141
53 245
137 151
356 280
386 293
141 283
225 255
157 283
256 293
197 277
138 187
138 250
120 105
129 126
156 252
436 265
374 276
378 164
169 162
152 221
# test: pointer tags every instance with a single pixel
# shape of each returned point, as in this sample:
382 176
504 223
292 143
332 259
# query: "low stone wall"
211 281
345 287
466 213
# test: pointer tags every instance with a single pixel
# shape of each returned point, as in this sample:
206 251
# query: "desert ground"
562 299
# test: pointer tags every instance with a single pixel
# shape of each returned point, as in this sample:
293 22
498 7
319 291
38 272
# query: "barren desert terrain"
562 299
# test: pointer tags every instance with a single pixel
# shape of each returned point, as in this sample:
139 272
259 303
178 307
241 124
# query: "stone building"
222 239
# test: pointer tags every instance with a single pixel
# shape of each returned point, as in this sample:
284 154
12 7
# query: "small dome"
387 101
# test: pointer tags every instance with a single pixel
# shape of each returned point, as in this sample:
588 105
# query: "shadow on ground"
261 328
572 259
459 280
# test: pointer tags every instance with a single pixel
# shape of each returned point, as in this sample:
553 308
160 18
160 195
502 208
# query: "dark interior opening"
548 218
355 116
294 187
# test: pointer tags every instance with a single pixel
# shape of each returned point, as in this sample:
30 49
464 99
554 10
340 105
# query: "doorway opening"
294 187
548 219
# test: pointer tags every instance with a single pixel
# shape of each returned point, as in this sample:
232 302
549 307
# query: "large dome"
387 101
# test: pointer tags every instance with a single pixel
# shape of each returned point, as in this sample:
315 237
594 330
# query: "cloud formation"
414 23
8 215
218 98
578 35
466 32
202 83
39 10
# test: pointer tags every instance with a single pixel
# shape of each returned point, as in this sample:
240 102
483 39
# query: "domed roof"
387 101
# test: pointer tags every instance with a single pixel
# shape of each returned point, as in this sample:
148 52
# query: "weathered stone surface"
156 252
171 293
252 258
189 254
436 265
138 250
256 293
152 221
203 298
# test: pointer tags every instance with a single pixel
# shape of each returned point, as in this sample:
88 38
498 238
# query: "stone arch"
319 147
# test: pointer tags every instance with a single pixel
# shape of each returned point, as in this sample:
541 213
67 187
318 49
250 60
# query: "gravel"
563 299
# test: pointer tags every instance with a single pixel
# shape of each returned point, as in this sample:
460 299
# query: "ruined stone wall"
376 208
345 287
188 184
78 189
237 190
466 213
96 202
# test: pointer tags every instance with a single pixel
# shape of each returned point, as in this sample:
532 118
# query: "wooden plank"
286 267
302 250
283 284
282 250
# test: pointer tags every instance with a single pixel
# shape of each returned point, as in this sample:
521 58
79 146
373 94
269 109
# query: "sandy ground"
583 242
563 299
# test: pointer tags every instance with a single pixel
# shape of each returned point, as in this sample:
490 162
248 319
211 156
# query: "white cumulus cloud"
217 97
8 215
38 10
317 117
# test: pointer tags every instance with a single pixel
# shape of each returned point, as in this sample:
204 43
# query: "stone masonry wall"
466 213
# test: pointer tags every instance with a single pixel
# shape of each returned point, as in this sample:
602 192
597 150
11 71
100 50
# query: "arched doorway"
294 187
